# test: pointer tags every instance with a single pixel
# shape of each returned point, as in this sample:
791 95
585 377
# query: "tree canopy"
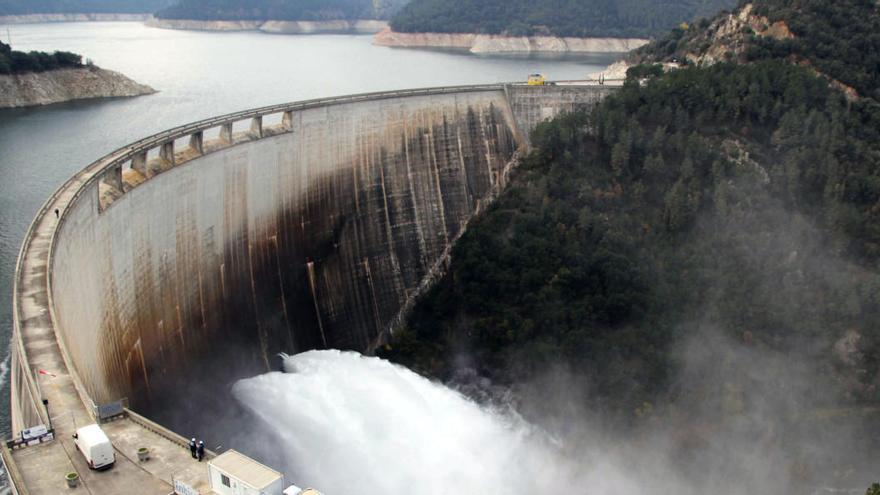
740 197
582 18
15 62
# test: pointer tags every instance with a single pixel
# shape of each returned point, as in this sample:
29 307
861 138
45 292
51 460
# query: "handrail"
91 172
209 123
163 432
16 481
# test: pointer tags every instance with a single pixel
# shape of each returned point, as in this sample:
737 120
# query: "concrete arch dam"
207 249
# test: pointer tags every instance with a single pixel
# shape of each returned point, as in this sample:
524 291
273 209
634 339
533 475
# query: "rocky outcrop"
617 70
364 26
32 18
44 88
488 43
727 37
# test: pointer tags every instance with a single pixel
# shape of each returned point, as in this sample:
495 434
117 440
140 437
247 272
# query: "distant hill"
20 7
281 10
580 18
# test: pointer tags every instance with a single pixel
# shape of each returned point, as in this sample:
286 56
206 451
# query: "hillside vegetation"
283 10
700 249
741 197
15 62
581 18
19 7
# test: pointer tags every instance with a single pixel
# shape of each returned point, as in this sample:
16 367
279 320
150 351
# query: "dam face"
311 238
184 258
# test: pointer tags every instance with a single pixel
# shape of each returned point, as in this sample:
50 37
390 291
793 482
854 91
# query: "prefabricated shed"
233 473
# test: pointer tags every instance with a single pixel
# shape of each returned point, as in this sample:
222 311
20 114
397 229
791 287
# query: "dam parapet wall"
279 229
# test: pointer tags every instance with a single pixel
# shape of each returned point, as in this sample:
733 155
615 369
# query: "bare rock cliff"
44 88
727 37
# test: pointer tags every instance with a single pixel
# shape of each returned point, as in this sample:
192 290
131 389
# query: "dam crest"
205 250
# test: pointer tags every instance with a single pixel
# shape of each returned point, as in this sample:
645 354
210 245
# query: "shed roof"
245 469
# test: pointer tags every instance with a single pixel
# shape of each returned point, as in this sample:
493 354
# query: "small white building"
233 473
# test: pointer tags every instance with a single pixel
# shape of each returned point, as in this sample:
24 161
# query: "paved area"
43 467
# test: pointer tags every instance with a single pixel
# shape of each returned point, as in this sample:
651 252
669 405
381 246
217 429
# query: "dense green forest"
311 10
738 197
15 62
17 7
840 39
622 18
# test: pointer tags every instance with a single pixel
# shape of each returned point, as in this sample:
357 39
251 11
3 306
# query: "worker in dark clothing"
192 447
201 450
57 213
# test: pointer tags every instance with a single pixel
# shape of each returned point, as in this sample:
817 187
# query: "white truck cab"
95 447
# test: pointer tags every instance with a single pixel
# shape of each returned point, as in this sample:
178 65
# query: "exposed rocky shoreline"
363 26
490 43
44 88
34 18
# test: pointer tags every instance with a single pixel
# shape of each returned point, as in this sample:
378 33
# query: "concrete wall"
532 105
311 238
193 268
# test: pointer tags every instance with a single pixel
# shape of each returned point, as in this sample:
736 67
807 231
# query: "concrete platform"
41 469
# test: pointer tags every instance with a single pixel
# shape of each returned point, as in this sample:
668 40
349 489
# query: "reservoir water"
198 75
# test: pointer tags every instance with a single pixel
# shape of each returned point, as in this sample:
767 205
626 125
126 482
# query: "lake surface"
199 75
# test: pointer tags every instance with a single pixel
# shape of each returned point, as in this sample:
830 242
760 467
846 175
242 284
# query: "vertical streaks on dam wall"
532 105
310 238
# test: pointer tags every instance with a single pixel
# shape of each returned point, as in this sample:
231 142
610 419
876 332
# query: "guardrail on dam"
298 226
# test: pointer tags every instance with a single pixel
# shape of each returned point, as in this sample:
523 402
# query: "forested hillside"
15 62
743 197
700 250
18 7
582 18
260 10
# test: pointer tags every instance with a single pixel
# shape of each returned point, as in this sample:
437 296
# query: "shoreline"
493 43
360 26
62 85
57 17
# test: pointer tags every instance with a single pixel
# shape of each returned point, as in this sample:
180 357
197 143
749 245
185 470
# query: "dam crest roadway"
306 225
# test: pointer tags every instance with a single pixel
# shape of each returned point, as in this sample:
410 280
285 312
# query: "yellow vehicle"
536 79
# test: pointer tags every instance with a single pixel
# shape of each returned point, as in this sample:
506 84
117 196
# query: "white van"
95 447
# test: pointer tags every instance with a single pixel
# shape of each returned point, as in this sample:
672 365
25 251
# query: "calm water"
199 75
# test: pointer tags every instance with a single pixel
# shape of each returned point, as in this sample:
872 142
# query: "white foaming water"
357 425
